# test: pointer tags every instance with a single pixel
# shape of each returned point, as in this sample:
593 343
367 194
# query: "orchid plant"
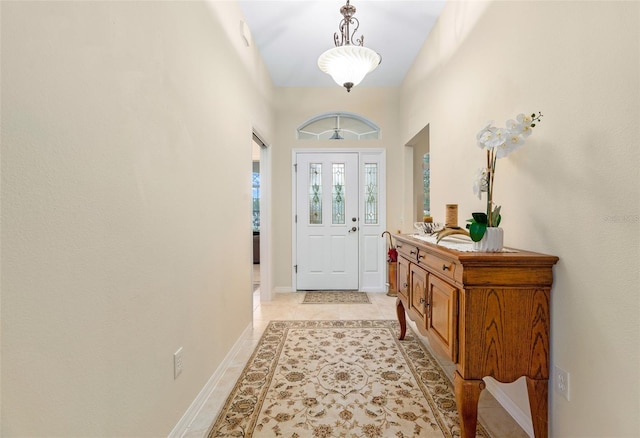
498 142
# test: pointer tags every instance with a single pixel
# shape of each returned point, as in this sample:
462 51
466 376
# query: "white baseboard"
374 290
505 401
182 427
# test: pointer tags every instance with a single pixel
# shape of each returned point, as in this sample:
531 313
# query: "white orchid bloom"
526 130
524 120
495 138
512 125
513 141
481 183
516 128
482 134
526 123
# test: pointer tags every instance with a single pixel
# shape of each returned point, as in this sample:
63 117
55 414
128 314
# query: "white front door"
327 224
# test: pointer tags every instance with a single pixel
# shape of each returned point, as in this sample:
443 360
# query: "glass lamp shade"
348 65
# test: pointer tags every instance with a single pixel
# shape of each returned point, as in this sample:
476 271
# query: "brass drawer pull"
413 252
446 268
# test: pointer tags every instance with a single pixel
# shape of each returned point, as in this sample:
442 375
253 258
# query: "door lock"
353 229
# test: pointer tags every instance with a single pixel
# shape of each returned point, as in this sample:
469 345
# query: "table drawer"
409 251
438 265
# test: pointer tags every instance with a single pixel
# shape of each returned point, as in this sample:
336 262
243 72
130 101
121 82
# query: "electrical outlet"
177 363
561 381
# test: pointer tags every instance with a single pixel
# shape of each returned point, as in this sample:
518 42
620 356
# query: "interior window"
421 173
338 126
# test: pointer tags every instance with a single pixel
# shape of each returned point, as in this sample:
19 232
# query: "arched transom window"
338 126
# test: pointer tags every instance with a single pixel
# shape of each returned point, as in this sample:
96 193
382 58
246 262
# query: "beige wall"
126 163
571 191
295 106
126 160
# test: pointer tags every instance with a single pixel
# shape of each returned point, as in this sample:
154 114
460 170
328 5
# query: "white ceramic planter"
492 241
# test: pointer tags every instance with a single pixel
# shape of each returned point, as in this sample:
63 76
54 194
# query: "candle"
451 216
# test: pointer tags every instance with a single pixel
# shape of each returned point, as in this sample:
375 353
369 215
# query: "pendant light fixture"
348 63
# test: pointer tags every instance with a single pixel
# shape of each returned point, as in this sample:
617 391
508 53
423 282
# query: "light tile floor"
289 306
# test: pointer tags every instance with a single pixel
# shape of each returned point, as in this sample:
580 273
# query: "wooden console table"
487 312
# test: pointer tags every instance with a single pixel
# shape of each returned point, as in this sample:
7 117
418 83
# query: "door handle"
353 229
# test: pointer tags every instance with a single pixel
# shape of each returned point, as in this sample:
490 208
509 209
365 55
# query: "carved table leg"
467 394
538 391
402 319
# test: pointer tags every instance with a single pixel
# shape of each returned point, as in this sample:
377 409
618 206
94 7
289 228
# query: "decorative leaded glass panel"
338 126
315 193
337 192
371 193
255 195
426 176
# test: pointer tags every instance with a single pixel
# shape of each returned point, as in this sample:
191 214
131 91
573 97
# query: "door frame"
377 284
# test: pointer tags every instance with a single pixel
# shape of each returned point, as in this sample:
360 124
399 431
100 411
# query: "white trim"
182 427
266 260
375 290
294 195
521 417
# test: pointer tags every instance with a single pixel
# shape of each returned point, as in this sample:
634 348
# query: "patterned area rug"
336 297
339 379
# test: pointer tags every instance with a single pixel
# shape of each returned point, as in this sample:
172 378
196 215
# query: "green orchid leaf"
498 221
477 230
495 217
480 218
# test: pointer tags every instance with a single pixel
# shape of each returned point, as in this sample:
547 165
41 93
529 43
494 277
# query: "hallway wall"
572 190
126 209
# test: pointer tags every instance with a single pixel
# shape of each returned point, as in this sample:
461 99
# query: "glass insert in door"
315 193
371 193
337 194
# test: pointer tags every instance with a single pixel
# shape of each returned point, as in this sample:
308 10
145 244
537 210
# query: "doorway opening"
260 190
421 175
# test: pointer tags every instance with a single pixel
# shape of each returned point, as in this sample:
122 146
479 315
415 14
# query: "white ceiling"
291 35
